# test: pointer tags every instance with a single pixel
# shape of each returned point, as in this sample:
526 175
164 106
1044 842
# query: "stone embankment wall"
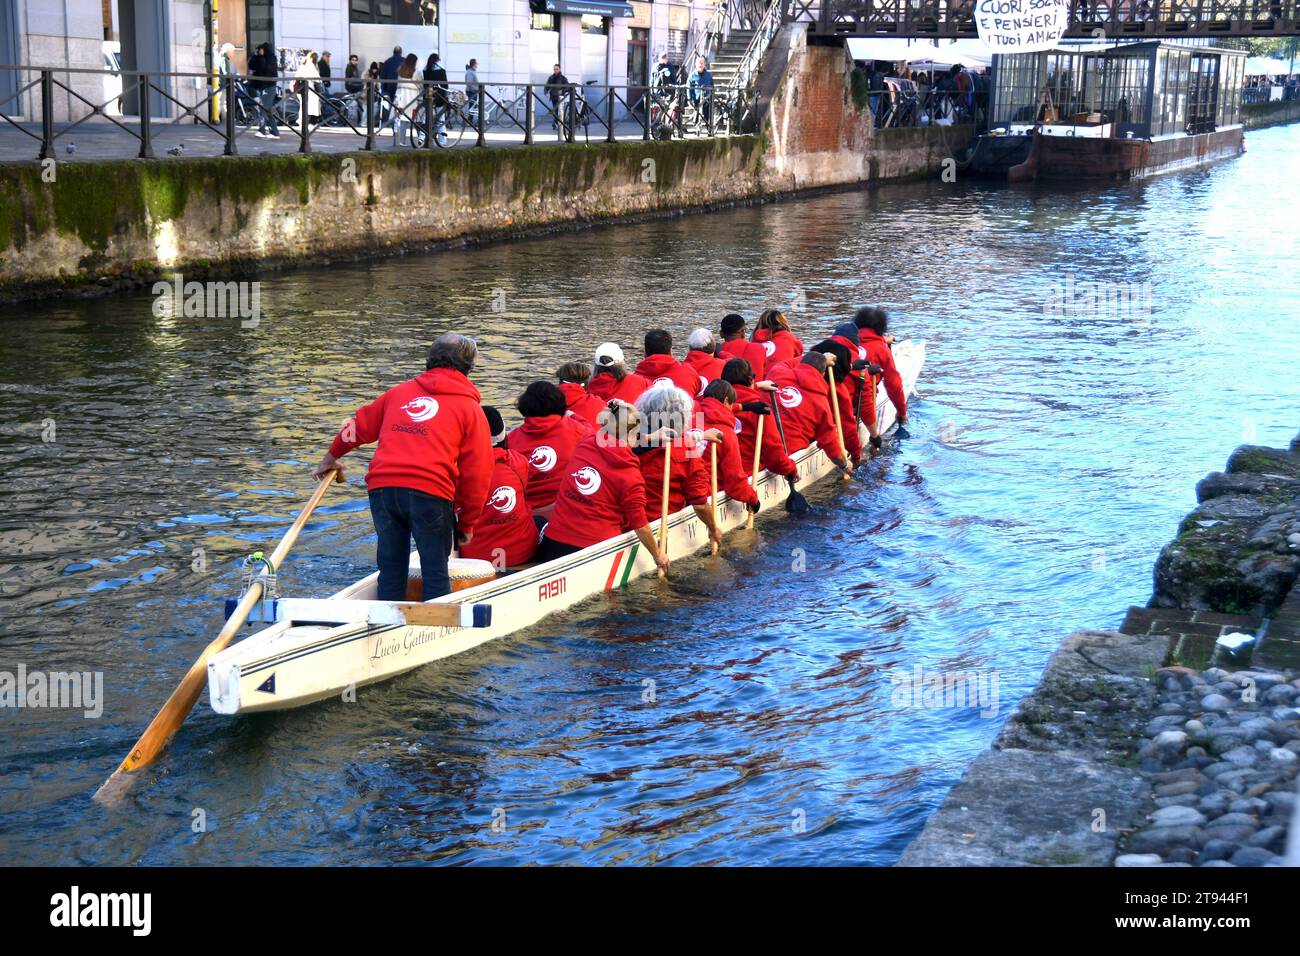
1259 115
1124 753
98 225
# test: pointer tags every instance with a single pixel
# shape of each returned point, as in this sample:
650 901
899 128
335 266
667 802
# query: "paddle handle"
182 700
663 505
713 487
758 452
839 422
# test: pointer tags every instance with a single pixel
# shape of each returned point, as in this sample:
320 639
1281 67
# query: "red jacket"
547 443
656 367
847 390
506 534
733 476
866 409
739 348
781 347
805 408
706 366
605 387
581 402
879 353
603 494
688 480
432 438
772 456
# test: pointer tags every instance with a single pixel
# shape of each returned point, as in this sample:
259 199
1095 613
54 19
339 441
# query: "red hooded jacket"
688 480
602 495
781 347
755 353
604 387
656 367
878 352
432 438
505 534
706 366
547 443
581 402
847 390
733 478
772 456
805 408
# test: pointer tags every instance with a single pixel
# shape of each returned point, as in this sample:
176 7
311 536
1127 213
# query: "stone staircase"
1191 633
729 57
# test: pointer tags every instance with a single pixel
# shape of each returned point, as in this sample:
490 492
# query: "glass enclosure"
1144 89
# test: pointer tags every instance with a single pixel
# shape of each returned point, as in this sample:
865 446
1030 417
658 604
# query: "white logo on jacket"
663 380
503 499
704 383
738 426
421 409
789 396
543 458
769 348
587 479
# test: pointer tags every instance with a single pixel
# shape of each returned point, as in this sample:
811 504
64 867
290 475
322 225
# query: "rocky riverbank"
1134 749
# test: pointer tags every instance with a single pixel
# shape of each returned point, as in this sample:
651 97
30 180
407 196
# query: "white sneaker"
260 135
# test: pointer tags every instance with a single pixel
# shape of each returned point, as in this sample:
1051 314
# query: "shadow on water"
742 714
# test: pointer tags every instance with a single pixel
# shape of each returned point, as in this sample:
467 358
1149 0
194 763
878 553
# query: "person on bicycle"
699 89
556 87
663 75
436 74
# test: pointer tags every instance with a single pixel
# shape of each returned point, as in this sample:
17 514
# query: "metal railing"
1115 18
763 34
424 114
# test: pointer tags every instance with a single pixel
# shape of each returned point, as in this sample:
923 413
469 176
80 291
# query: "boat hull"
290 665
1109 158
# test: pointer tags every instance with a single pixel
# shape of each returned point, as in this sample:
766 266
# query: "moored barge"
1118 113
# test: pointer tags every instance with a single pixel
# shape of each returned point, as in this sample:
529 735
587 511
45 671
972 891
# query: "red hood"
870 335
810 380
603 386
656 366
746 394
573 393
716 413
542 426
446 381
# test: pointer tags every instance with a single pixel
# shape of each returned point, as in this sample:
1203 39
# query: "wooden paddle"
758 449
713 486
839 423
164 726
663 509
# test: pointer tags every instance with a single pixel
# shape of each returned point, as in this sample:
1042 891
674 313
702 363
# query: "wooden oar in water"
713 487
164 726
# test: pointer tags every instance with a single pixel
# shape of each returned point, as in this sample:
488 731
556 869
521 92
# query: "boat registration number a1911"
551 589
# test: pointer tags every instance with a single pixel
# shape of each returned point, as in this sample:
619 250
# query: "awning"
597 8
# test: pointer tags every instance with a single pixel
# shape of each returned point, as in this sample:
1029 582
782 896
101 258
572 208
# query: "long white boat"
317 649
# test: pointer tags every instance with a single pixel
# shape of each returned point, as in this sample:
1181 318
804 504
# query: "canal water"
1055 445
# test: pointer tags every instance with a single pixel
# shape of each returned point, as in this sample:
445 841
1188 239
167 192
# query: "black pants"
401 514
550 549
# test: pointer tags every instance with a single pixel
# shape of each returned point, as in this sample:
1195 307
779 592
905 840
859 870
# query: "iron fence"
228 110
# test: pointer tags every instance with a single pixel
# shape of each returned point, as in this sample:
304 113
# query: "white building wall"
67 34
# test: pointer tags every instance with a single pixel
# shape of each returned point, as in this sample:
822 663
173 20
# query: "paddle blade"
796 504
901 432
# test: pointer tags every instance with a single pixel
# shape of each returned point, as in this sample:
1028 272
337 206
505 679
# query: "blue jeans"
401 514
266 100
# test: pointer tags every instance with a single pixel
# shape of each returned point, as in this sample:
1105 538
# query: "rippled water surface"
1052 457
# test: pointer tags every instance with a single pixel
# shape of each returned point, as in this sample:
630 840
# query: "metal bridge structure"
1088 19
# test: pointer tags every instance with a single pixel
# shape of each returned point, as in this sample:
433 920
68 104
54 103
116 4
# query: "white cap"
701 339
607 354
